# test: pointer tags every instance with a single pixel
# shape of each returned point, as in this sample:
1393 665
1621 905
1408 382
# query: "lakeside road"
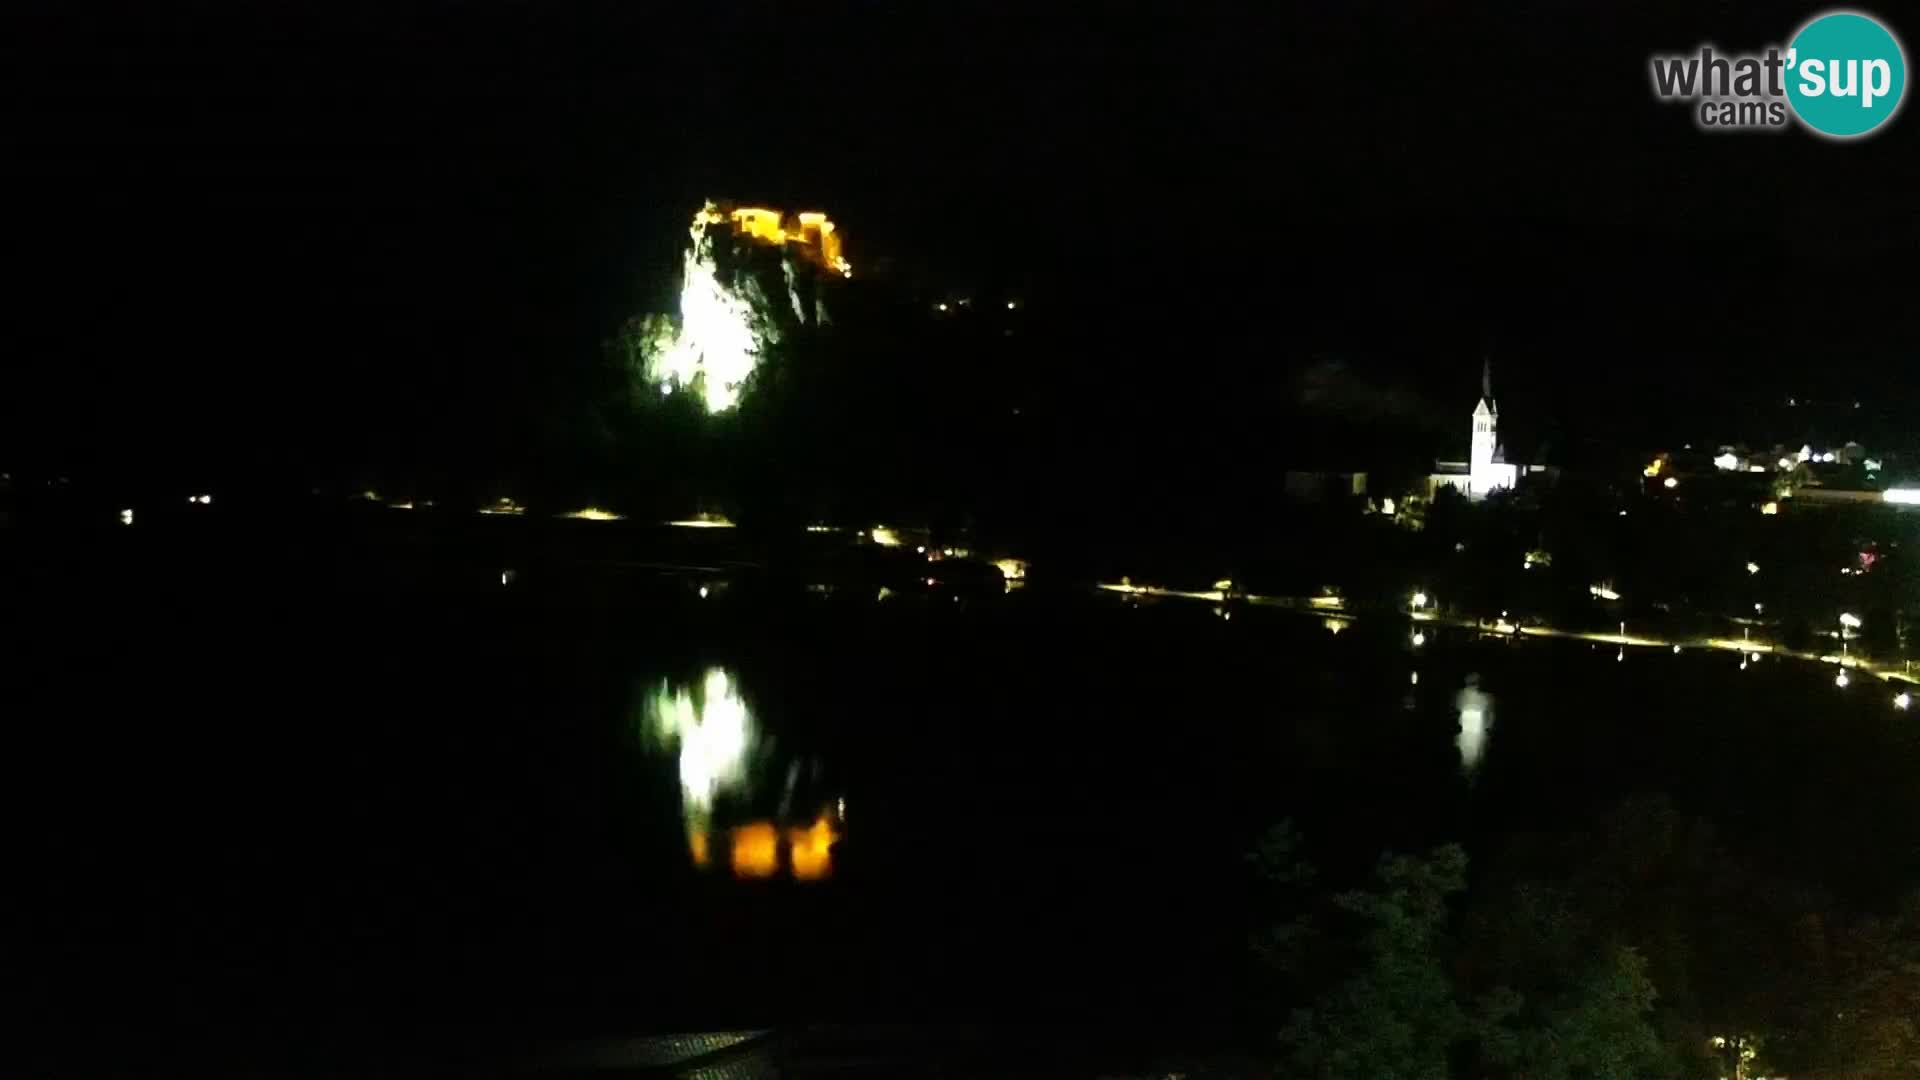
1329 607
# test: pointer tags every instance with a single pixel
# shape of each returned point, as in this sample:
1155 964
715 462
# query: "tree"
1860 1016
1567 1004
1394 1017
1287 880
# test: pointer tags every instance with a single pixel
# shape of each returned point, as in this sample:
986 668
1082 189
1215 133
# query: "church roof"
1487 407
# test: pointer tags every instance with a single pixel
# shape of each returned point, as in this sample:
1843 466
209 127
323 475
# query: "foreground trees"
1637 949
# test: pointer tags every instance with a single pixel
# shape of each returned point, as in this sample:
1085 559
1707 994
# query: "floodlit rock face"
747 280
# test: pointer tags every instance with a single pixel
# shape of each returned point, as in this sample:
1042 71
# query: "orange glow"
756 850
830 251
760 224
697 847
812 232
812 850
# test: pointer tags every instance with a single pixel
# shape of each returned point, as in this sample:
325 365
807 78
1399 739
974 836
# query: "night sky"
283 229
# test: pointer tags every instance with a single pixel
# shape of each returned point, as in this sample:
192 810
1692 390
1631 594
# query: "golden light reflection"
592 513
697 847
812 850
756 850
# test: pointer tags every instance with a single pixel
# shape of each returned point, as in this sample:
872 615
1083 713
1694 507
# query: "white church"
1486 469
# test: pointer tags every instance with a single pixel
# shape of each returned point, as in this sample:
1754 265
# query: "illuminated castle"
811 235
732 277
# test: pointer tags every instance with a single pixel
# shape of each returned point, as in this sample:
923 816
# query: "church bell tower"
1486 422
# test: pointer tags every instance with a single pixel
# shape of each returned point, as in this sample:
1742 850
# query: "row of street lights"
1848 621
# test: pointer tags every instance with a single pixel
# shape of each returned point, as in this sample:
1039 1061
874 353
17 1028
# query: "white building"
1485 470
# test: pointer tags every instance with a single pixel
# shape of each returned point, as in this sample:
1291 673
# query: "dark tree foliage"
1634 948
1378 984
1563 1002
1393 1014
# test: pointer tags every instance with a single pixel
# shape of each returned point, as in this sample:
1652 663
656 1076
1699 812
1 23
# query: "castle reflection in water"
709 729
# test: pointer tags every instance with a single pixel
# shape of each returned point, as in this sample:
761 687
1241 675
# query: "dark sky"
279 224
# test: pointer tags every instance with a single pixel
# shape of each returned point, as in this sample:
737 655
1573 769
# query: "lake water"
264 805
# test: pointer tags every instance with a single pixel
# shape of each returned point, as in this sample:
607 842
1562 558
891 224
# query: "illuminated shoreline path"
726 319
1334 612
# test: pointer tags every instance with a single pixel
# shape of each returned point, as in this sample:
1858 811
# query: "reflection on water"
812 849
1476 724
712 734
756 850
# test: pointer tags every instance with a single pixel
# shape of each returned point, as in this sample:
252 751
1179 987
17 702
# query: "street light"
1849 620
1419 600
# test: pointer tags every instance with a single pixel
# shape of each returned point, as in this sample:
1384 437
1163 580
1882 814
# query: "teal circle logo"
1845 74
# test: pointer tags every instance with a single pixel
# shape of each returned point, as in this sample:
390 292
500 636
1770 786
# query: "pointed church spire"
1486 378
